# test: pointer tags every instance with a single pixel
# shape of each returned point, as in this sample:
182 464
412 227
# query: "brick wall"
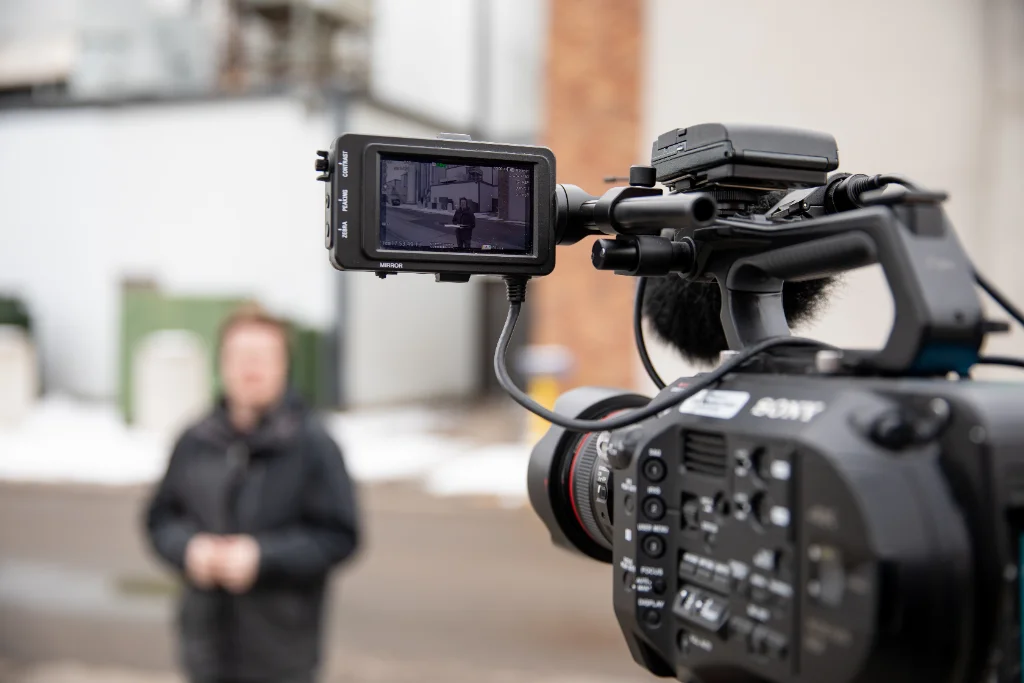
592 124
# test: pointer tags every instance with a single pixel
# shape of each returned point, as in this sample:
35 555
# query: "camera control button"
654 546
683 641
740 628
321 161
654 507
892 430
654 469
323 166
691 512
758 641
705 609
775 645
779 516
826 575
722 582
759 588
766 559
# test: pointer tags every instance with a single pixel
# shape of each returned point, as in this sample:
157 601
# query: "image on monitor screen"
451 206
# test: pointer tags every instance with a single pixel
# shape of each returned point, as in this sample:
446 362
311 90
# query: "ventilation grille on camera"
704 453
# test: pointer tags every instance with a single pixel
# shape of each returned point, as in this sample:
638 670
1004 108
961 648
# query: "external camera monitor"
450 207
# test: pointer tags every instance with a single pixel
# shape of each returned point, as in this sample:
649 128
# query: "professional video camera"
801 512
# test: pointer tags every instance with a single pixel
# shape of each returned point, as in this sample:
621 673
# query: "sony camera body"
799 528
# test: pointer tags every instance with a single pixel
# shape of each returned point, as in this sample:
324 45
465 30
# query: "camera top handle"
939 324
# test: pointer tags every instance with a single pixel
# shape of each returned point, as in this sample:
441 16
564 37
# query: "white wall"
904 88
214 198
206 198
425 56
411 338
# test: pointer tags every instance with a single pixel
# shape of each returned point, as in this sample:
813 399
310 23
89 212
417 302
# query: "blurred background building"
159 112
156 168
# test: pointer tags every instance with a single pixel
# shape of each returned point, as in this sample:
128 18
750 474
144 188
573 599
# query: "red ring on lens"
572 472
572 480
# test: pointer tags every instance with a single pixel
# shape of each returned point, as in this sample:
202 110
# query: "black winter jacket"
464 218
286 485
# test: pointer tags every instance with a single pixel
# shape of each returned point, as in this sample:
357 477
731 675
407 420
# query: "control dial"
323 165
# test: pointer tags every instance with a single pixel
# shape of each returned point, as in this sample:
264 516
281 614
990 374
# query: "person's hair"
463 199
252 314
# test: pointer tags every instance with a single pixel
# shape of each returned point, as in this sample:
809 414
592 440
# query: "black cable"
886 178
638 334
998 297
633 416
1001 360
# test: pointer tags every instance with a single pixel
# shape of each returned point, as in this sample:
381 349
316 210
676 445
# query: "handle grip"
807 261
938 325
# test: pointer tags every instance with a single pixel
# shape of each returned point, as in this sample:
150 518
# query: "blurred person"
467 221
254 510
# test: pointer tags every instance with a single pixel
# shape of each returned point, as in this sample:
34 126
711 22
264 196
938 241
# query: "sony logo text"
390 264
787 409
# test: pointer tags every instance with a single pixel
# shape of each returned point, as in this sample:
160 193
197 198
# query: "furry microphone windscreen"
687 314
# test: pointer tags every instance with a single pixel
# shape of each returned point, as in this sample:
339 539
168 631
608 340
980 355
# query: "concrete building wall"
207 198
204 198
428 55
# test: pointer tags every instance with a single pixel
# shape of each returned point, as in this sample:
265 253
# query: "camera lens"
571 482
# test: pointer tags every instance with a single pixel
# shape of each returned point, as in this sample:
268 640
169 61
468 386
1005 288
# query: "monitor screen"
455 206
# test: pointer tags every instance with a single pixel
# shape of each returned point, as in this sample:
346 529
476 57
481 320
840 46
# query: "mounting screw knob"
642 176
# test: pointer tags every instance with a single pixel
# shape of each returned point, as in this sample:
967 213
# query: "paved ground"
457 589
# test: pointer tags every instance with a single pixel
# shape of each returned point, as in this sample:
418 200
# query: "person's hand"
201 559
238 563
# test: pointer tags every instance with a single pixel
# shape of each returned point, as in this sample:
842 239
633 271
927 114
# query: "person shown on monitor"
466 221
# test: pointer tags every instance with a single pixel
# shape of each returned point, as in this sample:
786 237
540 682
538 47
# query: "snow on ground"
392 444
69 441
65 440
499 470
